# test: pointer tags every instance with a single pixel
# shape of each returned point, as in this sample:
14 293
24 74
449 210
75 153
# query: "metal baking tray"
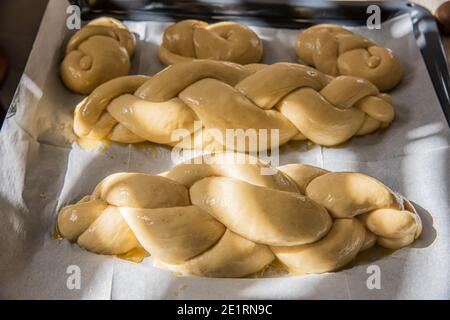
295 15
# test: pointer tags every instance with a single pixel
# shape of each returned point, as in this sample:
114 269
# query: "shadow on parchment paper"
25 220
28 237
145 59
39 238
429 233
13 224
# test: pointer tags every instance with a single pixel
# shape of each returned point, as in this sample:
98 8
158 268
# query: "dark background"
19 24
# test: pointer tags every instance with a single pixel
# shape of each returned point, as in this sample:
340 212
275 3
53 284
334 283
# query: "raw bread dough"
335 50
194 39
219 217
98 52
301 102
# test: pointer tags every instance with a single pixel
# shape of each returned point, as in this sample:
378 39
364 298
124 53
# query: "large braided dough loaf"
98 52
299 101
337 51
224 219
194 39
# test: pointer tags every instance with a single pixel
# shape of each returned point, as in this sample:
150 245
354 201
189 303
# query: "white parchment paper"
41 171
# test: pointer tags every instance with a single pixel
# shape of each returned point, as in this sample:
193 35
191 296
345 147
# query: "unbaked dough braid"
299 101
335 50
226 41
222 218
98 52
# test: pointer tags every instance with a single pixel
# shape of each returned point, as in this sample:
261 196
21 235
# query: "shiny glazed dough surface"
335 50
98 52
222 218
225 41
300 102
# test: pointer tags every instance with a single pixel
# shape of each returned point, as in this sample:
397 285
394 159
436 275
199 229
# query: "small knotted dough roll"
98 52
226 41
336 51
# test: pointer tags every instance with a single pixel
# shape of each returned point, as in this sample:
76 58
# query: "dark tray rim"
296 14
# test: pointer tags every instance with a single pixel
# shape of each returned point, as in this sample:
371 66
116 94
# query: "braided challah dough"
194 39
222 218
335 50
98 52
299 101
